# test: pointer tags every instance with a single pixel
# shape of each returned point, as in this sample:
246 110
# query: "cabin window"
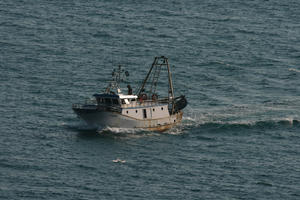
136 111
115 101
107 101
162 108
145 113
132 99
99 100
127 111
153 109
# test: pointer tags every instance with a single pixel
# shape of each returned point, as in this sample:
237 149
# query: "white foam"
290 119
294 70
118 160
127 133
119 130
177 130
189 119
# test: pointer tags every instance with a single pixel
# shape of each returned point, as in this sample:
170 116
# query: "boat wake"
243 119
115 130
125 132
192 123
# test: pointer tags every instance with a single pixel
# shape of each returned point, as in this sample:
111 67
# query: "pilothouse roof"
121 96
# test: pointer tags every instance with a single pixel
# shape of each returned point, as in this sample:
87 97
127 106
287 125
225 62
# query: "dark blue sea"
237 62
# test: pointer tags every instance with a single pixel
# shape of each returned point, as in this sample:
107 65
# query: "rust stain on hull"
167 126
161 128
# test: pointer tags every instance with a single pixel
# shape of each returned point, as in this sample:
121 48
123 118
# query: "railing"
92 104
102 107
84 106
91 101
88 103
143 103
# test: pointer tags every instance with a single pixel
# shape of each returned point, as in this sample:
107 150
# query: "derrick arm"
145 80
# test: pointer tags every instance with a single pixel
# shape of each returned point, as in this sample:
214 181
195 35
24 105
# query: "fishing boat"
146 109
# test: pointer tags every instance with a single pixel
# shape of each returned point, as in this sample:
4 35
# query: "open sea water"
237 62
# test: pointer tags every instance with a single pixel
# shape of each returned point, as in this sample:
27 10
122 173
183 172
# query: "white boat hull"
98 119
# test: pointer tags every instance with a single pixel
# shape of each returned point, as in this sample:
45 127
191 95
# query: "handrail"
93 103
141 104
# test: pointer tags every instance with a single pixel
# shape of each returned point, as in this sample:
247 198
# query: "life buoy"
154 97
143 97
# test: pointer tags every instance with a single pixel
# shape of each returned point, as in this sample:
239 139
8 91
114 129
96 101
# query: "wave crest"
294 70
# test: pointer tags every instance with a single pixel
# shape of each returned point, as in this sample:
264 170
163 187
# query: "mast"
145 80
171 89
153 76
118 75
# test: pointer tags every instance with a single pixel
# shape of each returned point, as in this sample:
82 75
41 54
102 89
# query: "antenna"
118 75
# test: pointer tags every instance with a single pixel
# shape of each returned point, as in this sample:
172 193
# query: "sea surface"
237 62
